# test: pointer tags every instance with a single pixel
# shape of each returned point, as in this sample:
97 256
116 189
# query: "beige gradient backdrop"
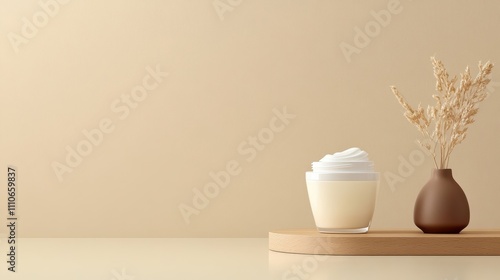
228 75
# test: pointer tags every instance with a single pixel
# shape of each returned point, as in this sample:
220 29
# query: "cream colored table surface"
221 258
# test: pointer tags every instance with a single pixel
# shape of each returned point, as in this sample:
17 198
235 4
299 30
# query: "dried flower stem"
453 112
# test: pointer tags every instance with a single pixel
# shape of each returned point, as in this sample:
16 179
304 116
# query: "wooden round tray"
387 243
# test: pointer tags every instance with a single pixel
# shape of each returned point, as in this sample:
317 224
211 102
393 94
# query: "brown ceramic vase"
441 205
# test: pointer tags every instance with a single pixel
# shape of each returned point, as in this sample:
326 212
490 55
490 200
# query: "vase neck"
442 172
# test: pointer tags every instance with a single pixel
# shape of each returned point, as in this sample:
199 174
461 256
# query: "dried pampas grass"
453 112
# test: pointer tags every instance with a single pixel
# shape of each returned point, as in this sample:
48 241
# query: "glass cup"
342 202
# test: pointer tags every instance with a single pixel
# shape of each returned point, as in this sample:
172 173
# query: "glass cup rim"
342 176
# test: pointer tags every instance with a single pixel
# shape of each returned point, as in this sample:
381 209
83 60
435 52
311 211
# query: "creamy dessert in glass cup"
342 189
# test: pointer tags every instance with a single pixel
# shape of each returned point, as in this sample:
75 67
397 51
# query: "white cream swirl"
350 155
352 163
350 160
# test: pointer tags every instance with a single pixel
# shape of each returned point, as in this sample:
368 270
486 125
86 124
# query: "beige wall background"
71 67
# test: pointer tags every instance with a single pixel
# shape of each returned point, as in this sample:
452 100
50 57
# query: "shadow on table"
285 266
